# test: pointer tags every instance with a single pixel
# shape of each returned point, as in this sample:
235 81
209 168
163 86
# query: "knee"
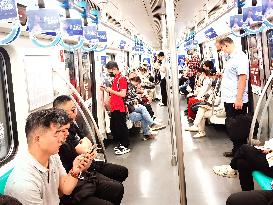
123 173
118 190
231 200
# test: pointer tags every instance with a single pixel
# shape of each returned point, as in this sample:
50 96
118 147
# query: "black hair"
44 118
111 65
136 79
62 99
161 54
9 200
209 64
224 40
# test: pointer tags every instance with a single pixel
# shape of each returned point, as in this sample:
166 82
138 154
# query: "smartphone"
92 149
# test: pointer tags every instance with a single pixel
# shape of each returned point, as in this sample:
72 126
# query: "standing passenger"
163 82
118 92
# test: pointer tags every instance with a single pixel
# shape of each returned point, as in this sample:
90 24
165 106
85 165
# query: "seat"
263 180
3 181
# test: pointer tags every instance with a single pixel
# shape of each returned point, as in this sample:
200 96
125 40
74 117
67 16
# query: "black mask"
111 74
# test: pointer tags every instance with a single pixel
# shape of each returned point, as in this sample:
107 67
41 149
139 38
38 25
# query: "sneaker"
117 147
153 132
192 128
122 150
155 127
225 171
199 135
148 137
157 120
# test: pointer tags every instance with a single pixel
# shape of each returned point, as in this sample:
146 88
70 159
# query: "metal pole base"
174 161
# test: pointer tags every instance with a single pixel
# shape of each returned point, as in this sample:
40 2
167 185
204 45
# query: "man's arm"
121 93
240 91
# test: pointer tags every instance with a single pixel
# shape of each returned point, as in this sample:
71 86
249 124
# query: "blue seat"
3 181
263 180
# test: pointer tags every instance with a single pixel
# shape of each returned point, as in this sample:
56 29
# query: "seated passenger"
108 177
256 197
40 177
208 66
8 200
246 160
138 112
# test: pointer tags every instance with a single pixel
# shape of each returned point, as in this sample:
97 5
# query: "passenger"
8 200
108 177
208 66
118 125
256 197
234 86
163 82
193 65
40 176
140 113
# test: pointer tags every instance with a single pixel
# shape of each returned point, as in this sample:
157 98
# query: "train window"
8 127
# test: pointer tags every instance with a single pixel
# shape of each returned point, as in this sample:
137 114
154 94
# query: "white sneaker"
157 120
156 127
122 150
199 134
117 147
225 171
192 128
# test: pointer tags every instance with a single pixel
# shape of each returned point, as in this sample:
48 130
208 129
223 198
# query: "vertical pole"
178 129
170 103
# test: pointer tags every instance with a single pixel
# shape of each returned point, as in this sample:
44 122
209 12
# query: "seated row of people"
60 164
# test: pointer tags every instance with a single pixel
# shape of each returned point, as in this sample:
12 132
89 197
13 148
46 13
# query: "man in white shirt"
163 82
41 177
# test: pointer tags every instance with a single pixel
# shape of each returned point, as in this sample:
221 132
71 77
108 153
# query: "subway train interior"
185 62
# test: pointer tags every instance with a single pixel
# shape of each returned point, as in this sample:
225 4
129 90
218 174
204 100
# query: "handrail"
257 109
100 137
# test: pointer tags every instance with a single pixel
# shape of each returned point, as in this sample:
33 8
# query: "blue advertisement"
252 15
102 36
94 15
147 61
43 20
267 8
8 9
90 32
236 22
72 27
122 44
103 60
211 33
181 60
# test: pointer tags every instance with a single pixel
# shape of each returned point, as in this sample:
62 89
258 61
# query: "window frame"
9 106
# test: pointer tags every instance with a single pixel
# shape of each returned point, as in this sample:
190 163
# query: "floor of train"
153 181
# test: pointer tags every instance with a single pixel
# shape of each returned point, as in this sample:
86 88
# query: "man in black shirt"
106 178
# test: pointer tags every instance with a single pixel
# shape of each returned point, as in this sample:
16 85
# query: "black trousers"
257 197
119 128
232 112
163 86
192 82
112 171
246 160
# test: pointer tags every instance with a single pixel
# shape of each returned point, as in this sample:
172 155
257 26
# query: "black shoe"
228 154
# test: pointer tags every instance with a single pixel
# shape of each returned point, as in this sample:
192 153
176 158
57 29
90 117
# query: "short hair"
161 54
209 64
9 200
44 118
136 79
224 40
111 65
62 99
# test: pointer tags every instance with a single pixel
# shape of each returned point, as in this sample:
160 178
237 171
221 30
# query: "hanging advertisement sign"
267 8
94 15
90 32
43 20
252 15
102 36
236 22
72 27
103 60
122 44
181 60
8 9
210 33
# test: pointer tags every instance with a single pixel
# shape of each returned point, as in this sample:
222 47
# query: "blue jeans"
141 114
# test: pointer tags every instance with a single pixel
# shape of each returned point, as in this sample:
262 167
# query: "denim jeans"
141 114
